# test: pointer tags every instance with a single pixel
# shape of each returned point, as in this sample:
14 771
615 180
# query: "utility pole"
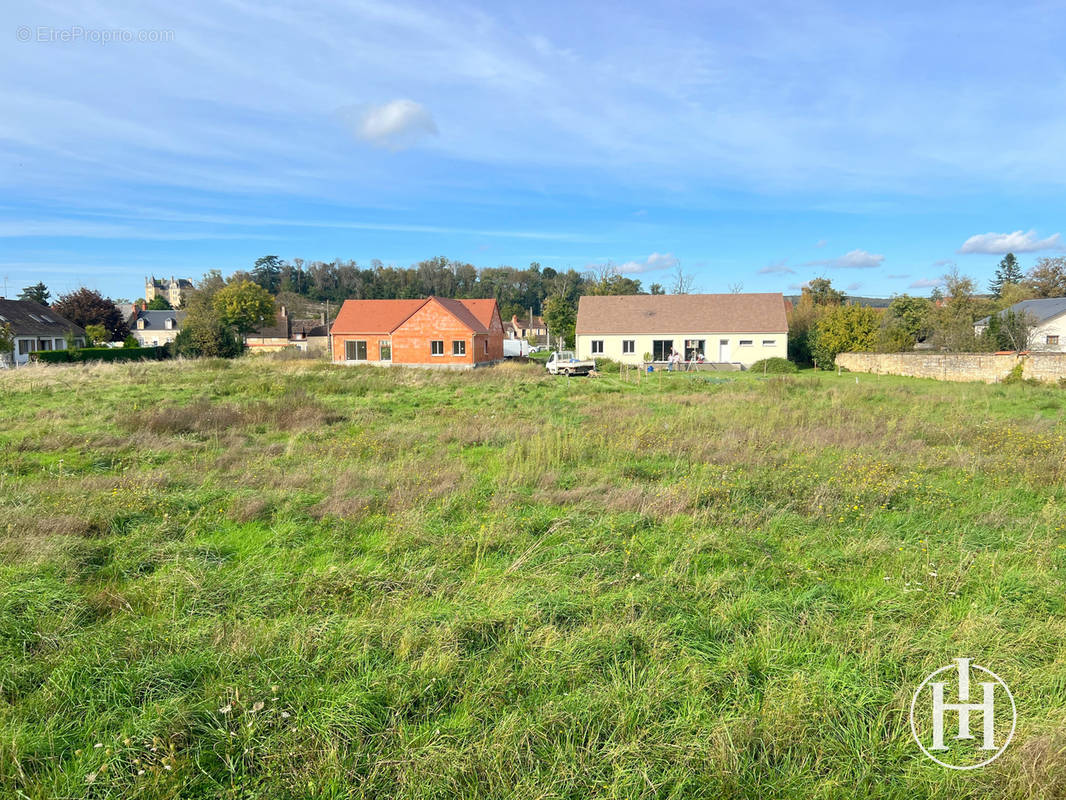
4 296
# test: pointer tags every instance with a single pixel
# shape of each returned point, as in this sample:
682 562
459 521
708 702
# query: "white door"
723 350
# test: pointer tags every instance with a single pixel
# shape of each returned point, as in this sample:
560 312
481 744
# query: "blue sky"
760 144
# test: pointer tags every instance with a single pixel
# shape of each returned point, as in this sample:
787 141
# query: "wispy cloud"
656 262
998 244
898 277
853 287
820 243
855 259
777 268
925 283
395 125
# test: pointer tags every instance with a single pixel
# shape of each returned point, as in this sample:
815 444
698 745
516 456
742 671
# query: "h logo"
962 710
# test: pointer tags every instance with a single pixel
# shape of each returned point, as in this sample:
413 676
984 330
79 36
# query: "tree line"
822 323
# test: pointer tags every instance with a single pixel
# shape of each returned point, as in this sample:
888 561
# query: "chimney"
322 316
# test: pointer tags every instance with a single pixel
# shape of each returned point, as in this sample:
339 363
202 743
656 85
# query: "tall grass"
278 579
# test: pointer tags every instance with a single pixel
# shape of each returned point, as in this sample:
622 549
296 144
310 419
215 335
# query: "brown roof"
385 316
682 313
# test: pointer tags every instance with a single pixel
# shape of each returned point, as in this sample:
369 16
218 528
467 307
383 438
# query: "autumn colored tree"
1047 278
844 329
244 306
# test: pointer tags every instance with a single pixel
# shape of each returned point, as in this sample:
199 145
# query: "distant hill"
873 302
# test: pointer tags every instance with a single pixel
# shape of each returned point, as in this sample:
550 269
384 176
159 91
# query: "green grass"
267 579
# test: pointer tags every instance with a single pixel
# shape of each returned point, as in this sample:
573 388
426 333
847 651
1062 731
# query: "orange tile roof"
385 316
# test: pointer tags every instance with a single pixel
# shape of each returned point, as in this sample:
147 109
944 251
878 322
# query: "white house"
155 328
723 328
36 327
1048 316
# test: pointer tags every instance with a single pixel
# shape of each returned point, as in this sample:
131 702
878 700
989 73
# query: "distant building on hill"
170 290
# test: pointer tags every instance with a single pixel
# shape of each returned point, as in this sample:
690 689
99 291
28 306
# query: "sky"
756 145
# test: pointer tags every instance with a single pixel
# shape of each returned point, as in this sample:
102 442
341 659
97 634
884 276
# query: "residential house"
1048 318
310 334
171 290
723 328
271 338
155 328
433 332
526 327
36 327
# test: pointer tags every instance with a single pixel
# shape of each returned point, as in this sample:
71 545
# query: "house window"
629 345
140 325
436 347
385 350
660 349
1052 339
24 346
169 324
59 344
486 347
44 344
597 347
458 348
355 350
769 342
745 342
694 348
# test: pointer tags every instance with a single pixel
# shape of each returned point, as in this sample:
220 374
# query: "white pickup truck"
563 362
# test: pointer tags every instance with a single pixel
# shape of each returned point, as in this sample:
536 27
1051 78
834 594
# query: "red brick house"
434 332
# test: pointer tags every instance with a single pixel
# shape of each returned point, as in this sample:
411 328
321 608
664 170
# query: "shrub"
101 354
606 366
774 366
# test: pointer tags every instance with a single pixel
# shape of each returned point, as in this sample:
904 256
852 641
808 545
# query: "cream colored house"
155 328
172 290
1048 317
722 328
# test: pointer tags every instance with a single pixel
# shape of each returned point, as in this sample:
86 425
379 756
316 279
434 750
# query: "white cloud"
777 268
998 244
394 125
856 259
899 277
925 283
656 262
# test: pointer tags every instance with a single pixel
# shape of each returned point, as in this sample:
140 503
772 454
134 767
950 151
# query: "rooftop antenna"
4 295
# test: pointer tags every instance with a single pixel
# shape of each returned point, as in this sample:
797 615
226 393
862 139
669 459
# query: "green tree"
38 293
844 329
560 315
88 307
816 298
656 288
7 342
97 335
206 336
267 273
1008 271
952 320
159 303
1047 278
906 322
244 306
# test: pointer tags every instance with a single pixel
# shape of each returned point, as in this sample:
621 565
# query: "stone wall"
987 367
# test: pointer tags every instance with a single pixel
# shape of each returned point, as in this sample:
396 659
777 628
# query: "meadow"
282 579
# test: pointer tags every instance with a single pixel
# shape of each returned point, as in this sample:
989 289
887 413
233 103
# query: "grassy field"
270 579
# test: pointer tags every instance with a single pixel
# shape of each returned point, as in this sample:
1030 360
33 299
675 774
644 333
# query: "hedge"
101 354
774 365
